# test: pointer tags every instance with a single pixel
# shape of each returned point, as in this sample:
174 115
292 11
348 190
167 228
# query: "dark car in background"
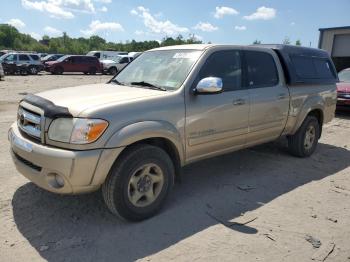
74 63
28 61
343 89
51 57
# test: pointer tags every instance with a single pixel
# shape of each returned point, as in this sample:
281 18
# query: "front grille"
27 163
29 122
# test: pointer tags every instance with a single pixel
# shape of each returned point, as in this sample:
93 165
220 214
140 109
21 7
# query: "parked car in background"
170 107
343 89
51 57
103 55
31 61
74 63
2 73
112 66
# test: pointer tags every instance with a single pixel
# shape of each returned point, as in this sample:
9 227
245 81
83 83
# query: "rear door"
23 59
269 96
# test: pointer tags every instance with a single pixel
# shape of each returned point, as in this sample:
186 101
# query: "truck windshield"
167 69
344 76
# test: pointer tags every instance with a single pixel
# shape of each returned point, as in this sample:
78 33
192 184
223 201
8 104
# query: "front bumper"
81 171
343 101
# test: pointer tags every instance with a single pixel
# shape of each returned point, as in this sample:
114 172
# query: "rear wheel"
304 142
139 182
32 70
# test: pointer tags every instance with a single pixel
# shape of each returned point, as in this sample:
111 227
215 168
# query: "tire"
112 71
92 71
304 142
58 70
118 192
32 70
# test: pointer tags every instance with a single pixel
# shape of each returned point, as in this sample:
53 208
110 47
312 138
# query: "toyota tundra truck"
170 107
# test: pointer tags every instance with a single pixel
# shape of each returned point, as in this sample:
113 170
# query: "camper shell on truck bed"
304 65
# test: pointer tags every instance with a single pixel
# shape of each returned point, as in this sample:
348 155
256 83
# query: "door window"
261 69
35 57
227 66
23 58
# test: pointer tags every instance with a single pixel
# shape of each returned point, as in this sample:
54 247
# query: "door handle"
239 102
281 96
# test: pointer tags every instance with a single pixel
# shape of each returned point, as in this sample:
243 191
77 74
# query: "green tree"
11 38
257 42
298 42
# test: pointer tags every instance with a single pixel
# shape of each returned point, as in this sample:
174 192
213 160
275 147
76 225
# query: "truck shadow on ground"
80 228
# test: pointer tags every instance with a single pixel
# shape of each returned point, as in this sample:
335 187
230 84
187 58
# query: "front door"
216 123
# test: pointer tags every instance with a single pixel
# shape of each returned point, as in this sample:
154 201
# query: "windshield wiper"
149 85
117 82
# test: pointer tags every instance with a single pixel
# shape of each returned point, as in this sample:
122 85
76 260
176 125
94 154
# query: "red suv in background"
74 63
343 89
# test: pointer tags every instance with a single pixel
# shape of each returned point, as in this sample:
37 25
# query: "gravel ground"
258 204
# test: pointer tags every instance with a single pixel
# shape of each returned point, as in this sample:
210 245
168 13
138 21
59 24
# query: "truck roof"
301 65
293 49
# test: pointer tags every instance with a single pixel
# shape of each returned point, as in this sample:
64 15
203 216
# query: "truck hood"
343 87
80 98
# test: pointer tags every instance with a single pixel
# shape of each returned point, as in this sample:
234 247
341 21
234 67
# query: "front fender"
310 104
144 130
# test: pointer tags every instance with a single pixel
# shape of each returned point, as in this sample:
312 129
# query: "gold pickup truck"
169 107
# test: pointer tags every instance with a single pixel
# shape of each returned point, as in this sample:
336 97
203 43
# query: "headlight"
77 130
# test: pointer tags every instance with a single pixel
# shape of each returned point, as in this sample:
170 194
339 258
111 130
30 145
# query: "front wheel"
139 182
304 142
58 70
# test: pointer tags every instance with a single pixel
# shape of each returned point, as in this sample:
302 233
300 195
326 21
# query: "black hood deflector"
50 109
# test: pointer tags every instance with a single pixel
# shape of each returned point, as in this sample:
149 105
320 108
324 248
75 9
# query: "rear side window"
23 58
227 66
98 55
34 57
312 67
261 69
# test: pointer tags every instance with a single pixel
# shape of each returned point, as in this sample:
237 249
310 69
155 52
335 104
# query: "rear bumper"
81 171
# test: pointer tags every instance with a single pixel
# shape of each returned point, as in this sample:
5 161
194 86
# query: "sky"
222 22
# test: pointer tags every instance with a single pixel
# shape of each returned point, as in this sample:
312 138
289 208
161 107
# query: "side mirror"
209 85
